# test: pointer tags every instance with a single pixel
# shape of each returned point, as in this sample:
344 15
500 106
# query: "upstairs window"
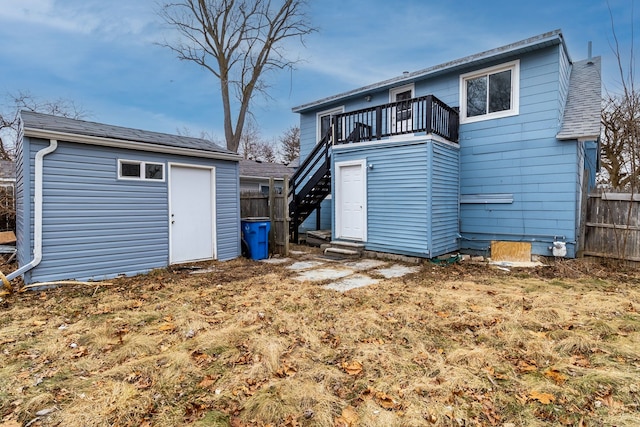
323 119
134 169
490 93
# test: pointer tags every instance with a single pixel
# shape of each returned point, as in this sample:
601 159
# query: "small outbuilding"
96 201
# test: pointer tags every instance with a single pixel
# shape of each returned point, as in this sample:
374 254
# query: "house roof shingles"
33 121
251 168
582 112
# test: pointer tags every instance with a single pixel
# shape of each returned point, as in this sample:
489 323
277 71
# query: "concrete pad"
396 270
203 271
516 264
365 264
304 265
352 282
323 274
275 260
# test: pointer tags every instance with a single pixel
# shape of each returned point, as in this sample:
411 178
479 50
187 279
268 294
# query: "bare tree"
266 152
249 141
238 41
10 120
620 149
290 144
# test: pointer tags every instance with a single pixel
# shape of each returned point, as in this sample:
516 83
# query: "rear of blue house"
500 146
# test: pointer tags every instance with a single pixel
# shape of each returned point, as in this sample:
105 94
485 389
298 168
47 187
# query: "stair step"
351 245
343 252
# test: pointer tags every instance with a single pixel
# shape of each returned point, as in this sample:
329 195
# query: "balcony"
425 114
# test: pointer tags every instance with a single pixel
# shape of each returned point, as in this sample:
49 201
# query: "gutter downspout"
37 222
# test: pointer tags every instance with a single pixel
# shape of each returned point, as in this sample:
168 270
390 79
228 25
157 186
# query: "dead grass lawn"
247 345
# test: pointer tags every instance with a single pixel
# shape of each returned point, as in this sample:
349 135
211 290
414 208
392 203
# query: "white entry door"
351 209
191 213
401 113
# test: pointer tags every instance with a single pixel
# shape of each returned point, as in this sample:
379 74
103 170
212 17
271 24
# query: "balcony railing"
424 114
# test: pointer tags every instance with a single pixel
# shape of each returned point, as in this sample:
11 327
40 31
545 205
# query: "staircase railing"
313 169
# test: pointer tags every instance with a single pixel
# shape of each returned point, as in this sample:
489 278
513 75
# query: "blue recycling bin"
255 232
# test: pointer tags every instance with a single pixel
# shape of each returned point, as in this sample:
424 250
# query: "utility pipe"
37 221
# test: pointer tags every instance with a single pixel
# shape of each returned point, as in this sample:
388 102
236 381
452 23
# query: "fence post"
272 216
285 215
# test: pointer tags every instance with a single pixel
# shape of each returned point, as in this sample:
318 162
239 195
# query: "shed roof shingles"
46 122
582 113
251 168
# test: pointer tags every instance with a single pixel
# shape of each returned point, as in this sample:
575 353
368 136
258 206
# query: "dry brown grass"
246 345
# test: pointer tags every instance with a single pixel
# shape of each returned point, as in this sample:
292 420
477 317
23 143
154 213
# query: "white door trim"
408 123
339 198
214 233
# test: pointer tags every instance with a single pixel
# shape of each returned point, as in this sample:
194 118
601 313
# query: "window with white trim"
135 169
490 93
323 121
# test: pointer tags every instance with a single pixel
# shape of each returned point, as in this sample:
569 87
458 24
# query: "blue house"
96 201
500 146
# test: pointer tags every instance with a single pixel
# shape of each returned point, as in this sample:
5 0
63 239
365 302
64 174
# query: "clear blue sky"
101 54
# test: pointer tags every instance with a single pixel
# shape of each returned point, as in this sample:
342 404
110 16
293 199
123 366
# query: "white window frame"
142 171
514 66
319 115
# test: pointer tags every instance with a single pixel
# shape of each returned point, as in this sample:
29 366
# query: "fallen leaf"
167 327
38 322
526 366
352 368
348 418
555 375
286 371
609 402
544 398
207 381
442 314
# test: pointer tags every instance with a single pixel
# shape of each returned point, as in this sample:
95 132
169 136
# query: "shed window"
134 169
490 93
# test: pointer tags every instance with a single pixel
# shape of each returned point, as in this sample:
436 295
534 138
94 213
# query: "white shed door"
351 201
191 214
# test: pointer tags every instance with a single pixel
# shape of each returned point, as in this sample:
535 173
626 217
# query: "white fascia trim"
260 177
130 145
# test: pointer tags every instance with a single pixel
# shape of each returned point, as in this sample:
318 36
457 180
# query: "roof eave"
126 144
542 40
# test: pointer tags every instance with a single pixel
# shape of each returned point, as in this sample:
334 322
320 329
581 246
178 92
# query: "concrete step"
347 245
347 253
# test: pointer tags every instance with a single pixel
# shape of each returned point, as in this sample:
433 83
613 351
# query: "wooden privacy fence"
7 207
612 226
273 206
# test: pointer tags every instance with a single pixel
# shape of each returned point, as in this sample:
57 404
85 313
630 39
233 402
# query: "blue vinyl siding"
96 226
519 155
412 196
23 193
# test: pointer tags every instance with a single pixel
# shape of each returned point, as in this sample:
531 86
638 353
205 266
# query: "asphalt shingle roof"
46 122
582 113
264 170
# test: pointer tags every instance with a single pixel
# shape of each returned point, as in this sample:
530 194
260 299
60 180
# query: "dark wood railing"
424 114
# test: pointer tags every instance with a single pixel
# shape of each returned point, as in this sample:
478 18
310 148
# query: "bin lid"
255 219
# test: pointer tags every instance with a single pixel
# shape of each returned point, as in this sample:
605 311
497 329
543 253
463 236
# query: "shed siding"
227 210
96 226
22 193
